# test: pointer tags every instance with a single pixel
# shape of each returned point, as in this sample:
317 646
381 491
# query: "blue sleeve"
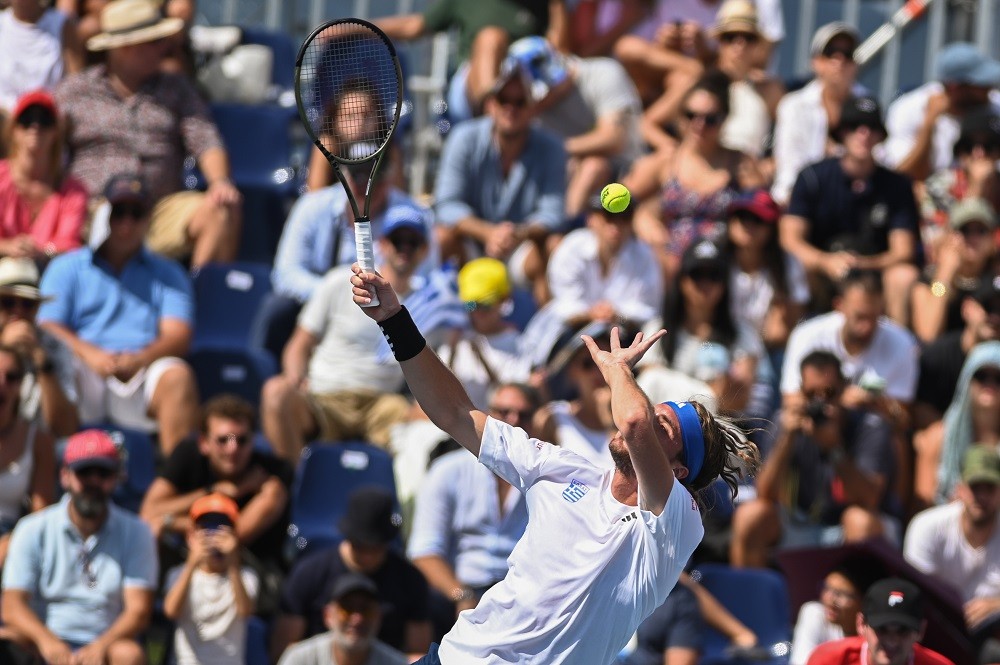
303 583
872 449
292 273
177 300
22 567
58 283
551 205
432 528
141 567
801 202
450 193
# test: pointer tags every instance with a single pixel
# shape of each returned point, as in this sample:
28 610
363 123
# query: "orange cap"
215 503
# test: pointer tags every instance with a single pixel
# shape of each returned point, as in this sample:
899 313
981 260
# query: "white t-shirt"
935 544
893 354
748 123
904 119
208 629
811 630
587 571
572 435
346 357
750 296
30 55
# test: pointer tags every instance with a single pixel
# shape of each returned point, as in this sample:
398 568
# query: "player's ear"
680 471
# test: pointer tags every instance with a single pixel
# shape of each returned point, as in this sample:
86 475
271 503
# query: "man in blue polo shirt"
849 212
127 315
79 578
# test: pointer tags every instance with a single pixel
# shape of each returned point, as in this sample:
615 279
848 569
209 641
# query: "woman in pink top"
41 211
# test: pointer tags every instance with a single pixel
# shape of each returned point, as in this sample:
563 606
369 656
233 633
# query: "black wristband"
404 338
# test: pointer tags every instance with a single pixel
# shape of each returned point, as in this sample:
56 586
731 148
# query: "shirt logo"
575 491
630 517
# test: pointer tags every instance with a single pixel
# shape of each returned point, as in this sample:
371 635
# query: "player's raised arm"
635 416
437 390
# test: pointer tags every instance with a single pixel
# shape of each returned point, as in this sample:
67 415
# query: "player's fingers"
616 342
591 344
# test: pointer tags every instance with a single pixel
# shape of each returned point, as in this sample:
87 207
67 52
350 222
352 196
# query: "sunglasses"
966 145
733 37
101 472
515 102
368 609
240 439
831 52
971 229
706 275
987 377
8 378
508 411
13 302
36 115
133 211
403 241
710 119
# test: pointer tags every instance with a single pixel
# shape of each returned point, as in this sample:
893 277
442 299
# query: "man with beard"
79 578
352 615
960 544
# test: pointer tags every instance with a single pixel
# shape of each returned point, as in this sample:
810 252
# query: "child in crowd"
211 596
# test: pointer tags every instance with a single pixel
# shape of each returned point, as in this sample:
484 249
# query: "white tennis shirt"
588 569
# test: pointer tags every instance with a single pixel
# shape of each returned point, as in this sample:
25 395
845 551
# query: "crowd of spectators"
828 274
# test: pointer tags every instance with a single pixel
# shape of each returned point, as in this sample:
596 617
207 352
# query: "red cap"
36 97
92 447
759 204
215 503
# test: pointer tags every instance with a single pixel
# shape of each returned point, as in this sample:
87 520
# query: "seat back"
226 298
283 50
758 598
238 371
258 140
327 475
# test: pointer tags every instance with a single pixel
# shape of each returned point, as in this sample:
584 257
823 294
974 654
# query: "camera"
815 410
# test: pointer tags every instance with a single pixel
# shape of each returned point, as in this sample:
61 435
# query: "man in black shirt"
222 459
370 526
849 212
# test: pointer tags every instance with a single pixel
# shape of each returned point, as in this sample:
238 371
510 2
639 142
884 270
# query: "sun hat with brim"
826 34
972 209
19 277
981 464
127 22
35 98
736 16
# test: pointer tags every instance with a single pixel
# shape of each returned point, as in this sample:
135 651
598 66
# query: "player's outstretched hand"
619 355
361 282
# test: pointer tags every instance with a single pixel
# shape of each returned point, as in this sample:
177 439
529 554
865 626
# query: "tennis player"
603 547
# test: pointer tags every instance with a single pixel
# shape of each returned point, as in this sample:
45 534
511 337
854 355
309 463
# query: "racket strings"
354 89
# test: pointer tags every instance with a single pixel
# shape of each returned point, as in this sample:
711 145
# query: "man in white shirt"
801 130
878 357
602 548
923 124
959 543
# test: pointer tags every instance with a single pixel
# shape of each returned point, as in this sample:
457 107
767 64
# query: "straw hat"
127 22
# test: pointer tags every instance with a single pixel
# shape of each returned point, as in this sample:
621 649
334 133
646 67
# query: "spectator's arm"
244 603
404 27
73 56
902 247
777 463
261 512
441 576
630 12
298 351
917 162
558 32
15 606
43 473
137 609
174 340
293 274
417 637
214 165
792 231
680 656
606 138
173 601
162 499
861 487
56 408
79 347
717 616
288 629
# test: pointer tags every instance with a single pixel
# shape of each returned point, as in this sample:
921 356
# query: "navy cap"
126 187
404 216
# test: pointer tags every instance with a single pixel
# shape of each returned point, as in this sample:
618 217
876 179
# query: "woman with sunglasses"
697 180
27 456
973 418
42 211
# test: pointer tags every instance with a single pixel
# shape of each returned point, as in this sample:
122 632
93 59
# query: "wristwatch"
939 289
460 594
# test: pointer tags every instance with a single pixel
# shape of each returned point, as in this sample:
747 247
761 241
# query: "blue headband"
691 437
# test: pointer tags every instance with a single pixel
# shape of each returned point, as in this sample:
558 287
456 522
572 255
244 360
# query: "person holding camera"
826 478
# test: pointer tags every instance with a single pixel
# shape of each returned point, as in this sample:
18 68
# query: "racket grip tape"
366 253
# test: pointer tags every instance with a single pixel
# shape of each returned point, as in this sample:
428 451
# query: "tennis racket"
349 89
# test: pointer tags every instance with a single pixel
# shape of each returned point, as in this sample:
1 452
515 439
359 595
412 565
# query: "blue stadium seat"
283 49
139 458
238 371
259 142
326 476
758 598
226 298
524 307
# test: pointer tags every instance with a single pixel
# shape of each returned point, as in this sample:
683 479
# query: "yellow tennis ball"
615 197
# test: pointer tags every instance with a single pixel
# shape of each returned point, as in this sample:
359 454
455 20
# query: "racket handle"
366 252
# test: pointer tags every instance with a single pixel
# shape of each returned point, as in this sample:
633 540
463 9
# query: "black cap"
126 187
704 254
860 112
349 583
371 517
893 601
988 294
979 126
